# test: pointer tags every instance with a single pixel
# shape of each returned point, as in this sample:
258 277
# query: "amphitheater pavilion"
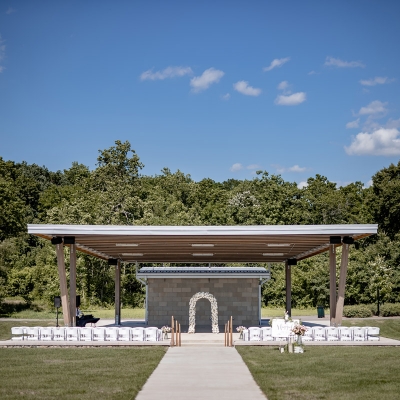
171 291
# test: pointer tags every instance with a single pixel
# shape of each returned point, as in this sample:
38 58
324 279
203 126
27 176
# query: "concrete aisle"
201 373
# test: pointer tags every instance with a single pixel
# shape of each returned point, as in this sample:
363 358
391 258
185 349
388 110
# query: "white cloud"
283 85
226 96
207 78
378 80
236 167
302 185
169 72
311 73
337 62
244 88
294 168
253 166
278 62
381 142
353 124
291 100
10 10
368 184
375 107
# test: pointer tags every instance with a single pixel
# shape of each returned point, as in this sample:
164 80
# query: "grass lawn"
267 312
389 327
88 373
325 372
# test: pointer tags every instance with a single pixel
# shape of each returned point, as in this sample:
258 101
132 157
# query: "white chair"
266 334
33 333
345 334
137 334
124 334
46 333
159 335
99 334
332 334
319 334
59 334
358 334
86 334
150 334
254 334
372 333
18 330
308 335
246 335
111 333
72 333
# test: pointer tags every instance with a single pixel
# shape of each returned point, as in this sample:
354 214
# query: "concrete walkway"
199 373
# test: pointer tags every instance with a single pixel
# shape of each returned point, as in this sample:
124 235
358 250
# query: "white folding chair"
46 333
358 334
18 330
254 334
86 334
98 334
111 333
345 334
308 335
137 334
124 334
33 333
319 334
266 334
159 334
150 334
59 334
72 333
332 334
372 333
246 335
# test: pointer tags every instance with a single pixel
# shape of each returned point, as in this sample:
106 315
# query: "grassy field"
389 327
296 312
329 373
88 373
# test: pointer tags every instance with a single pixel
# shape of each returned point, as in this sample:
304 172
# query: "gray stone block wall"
235 296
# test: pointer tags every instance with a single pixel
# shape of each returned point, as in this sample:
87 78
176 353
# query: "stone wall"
235 296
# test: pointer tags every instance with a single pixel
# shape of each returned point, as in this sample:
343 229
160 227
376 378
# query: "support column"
118 293
146 300
342 284
288 276
63 280
72 283
259 302
332 283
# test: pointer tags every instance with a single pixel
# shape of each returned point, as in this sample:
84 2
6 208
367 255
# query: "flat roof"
203 272
203 244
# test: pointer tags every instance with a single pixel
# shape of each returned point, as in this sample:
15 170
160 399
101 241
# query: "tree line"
116 193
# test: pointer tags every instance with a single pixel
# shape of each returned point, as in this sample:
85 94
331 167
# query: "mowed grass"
267 312
325 372
84 373
389 327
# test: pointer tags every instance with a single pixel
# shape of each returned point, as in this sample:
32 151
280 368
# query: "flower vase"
241 335
166 335
299 340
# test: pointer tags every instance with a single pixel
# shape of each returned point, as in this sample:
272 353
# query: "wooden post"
118 293
176 333
342 284
172 331
63 284
231 332
180 337
332 284
72 283
225 335
288 277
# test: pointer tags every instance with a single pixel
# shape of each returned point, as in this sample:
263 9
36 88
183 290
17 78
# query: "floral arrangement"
240 329
299 330
166 329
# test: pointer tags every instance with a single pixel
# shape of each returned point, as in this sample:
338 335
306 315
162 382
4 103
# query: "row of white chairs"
86 334
317 333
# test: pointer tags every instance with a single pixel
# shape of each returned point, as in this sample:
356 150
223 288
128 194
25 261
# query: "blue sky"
216 89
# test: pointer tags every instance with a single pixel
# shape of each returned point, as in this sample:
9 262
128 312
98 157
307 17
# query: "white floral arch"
192 311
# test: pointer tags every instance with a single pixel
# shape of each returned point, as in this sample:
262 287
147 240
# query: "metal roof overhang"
203 244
